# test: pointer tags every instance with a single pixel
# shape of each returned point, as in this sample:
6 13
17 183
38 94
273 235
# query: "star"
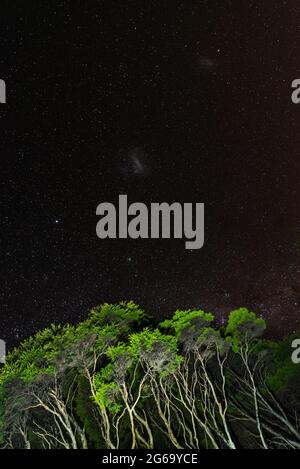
189 124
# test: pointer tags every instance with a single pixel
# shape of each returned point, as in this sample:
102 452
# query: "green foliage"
244 325
283 375
107 395
212 340
35 356
122 314
84 407
186 320
118 351
146 341
158 351
187 326
282 370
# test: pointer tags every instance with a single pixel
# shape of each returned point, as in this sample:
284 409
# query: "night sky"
165 101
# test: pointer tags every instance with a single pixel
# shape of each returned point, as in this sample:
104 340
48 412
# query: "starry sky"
163 101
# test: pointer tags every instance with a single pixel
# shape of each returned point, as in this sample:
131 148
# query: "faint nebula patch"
134 163
207 64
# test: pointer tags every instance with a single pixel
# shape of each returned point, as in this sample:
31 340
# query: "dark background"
185 101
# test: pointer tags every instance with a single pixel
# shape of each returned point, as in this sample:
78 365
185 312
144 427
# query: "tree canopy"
119 379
